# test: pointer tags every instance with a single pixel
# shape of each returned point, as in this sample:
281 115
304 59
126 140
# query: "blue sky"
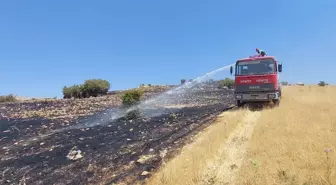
45 45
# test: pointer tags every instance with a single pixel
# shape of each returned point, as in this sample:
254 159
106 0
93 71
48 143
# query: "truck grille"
254 88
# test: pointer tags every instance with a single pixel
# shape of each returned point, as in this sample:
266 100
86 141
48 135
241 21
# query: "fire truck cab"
257 79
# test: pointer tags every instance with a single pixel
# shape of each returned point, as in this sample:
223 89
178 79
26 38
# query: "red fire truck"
257 79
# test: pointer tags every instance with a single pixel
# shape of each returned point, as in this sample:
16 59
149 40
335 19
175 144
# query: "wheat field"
293 144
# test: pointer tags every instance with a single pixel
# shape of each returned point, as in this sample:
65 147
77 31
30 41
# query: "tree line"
90 88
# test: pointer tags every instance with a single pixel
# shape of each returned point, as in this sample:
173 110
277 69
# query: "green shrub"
183 81
227 82
8 98
284 83
322 83
131 97
134 114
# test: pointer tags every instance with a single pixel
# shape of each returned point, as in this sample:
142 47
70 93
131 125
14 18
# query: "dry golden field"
293 144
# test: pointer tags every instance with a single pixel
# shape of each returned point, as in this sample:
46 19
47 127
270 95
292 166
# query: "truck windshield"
255 67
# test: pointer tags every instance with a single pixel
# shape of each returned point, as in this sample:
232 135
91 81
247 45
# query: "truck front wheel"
276 102
239 103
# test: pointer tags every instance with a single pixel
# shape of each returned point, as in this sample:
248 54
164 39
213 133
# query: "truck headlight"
238 96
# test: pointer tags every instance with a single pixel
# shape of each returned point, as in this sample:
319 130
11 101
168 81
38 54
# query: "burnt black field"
35 150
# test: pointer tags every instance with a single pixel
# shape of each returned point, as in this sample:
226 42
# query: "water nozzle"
260 52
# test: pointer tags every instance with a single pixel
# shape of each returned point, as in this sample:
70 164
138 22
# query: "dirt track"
231 154
110 151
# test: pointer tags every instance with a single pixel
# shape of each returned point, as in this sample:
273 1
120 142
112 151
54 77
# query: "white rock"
74 154
145 173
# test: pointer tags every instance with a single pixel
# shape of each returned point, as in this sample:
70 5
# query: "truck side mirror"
280 67
231 70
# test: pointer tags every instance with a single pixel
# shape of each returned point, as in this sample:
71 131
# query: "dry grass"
291 144
294 144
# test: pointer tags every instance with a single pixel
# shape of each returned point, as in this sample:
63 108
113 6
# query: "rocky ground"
57 109
93 149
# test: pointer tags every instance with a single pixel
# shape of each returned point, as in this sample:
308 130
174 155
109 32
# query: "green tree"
92 87
72 91
183 81
76 91
95 87
66 92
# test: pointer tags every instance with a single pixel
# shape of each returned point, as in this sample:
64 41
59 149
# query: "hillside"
91 141
184 137
68 109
